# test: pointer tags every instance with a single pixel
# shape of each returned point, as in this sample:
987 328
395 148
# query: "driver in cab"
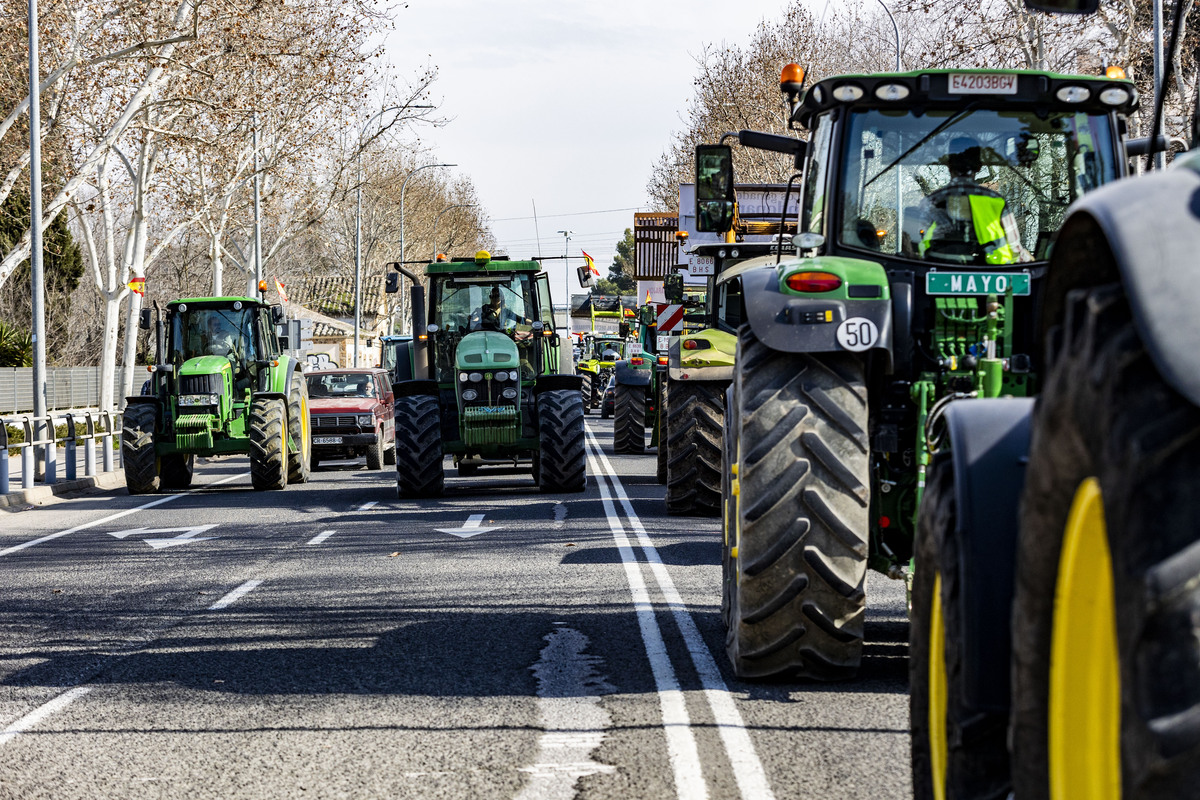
494 315
966 218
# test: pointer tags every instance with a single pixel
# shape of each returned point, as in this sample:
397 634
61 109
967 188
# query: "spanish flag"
591 263
279 288
138 285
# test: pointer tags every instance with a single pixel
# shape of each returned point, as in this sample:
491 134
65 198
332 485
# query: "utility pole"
1160 158
896 30
37 273
566 272
257 217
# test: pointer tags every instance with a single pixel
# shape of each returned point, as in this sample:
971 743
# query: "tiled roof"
325 330
334 295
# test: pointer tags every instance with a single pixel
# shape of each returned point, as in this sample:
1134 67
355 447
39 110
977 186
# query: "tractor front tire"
662 455
268 444
800 513
176 470
138 458
629 419
1106 672
955 753
562 460
586 392
694 416
299 424
419 470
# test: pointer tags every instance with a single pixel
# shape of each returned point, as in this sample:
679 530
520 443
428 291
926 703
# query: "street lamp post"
403 187
896 30
439 216
567 271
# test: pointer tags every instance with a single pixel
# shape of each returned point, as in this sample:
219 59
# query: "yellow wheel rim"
305 439
938 747
1085 680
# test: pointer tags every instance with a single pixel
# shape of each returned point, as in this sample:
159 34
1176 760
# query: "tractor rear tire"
138 458
268 444
562 459
299 424
629 419
662 455
419 471
962 753
375 452
586 392
801 513
176 470
389 452
1110 437
696 412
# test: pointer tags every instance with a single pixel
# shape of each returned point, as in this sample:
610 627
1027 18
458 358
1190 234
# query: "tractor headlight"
475 377
198 399
462 376
509 394
501 376
470 394
366 420
513 375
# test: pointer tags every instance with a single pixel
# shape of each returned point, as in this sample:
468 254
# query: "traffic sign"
670 317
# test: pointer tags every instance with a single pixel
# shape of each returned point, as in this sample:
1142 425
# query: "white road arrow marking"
185 535
470 528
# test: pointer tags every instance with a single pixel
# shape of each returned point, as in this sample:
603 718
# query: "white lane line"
156 502
747 768
33 718
369 505
235 595
681 743
572 719
320 537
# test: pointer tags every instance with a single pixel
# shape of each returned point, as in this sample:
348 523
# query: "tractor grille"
335 422
200 384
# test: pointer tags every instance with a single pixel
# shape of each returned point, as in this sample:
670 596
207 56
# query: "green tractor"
929 203
486 379
220 385
636 389
1054 645
599 351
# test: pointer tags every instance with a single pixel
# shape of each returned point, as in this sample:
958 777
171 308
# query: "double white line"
681 743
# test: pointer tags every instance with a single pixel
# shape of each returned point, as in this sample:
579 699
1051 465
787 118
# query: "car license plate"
982 83
977 283
664 342
701 265
326 440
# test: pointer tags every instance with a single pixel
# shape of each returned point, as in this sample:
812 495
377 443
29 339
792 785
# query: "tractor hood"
486 350
205 365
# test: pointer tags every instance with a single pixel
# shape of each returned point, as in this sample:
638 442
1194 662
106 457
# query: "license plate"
982 83
977 283
664 342
701 265
326 440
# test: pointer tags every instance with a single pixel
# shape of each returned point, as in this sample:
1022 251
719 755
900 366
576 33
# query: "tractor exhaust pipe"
419 325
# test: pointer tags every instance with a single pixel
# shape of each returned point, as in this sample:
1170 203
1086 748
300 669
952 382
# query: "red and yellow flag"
591 263
279 288
138 285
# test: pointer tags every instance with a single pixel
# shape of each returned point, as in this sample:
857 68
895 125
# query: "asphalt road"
331 641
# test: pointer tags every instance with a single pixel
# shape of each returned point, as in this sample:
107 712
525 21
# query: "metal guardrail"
66 388
91 419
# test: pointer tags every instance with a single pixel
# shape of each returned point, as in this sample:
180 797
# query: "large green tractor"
486 380
220 385
601 352
1055 637
636 387
929 203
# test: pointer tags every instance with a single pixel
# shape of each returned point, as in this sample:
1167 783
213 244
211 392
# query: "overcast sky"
562 103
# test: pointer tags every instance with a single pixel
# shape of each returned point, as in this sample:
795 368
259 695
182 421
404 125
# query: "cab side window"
731 310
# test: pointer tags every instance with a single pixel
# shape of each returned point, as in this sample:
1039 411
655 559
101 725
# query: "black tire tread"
176 470
137 448
419 468
695 416
562 458
629 419
268 444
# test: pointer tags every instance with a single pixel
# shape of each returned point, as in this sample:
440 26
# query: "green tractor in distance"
636 392
220 385
596 361
486 378
928 206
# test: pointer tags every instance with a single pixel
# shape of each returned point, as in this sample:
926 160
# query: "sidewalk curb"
39 494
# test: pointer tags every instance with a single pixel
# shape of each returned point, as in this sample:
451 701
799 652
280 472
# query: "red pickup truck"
351 411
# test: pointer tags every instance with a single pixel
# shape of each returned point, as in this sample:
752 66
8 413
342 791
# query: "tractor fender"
628 375
1144 231
143 399
809 323
550 383
412 388
270 396
989 441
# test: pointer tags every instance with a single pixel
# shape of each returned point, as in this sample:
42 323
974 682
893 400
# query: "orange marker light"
814 282
1115 73
262 286
791 73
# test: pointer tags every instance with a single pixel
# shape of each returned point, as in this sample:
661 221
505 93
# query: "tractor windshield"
203 331
610 346
972 187
504 303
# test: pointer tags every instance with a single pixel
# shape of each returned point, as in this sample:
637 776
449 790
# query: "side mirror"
392 283
623 329
714 188
776 143
1063 6
144 319
585 277
673 288
277 314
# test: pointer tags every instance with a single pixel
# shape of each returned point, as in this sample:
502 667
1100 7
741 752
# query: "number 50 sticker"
857 334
